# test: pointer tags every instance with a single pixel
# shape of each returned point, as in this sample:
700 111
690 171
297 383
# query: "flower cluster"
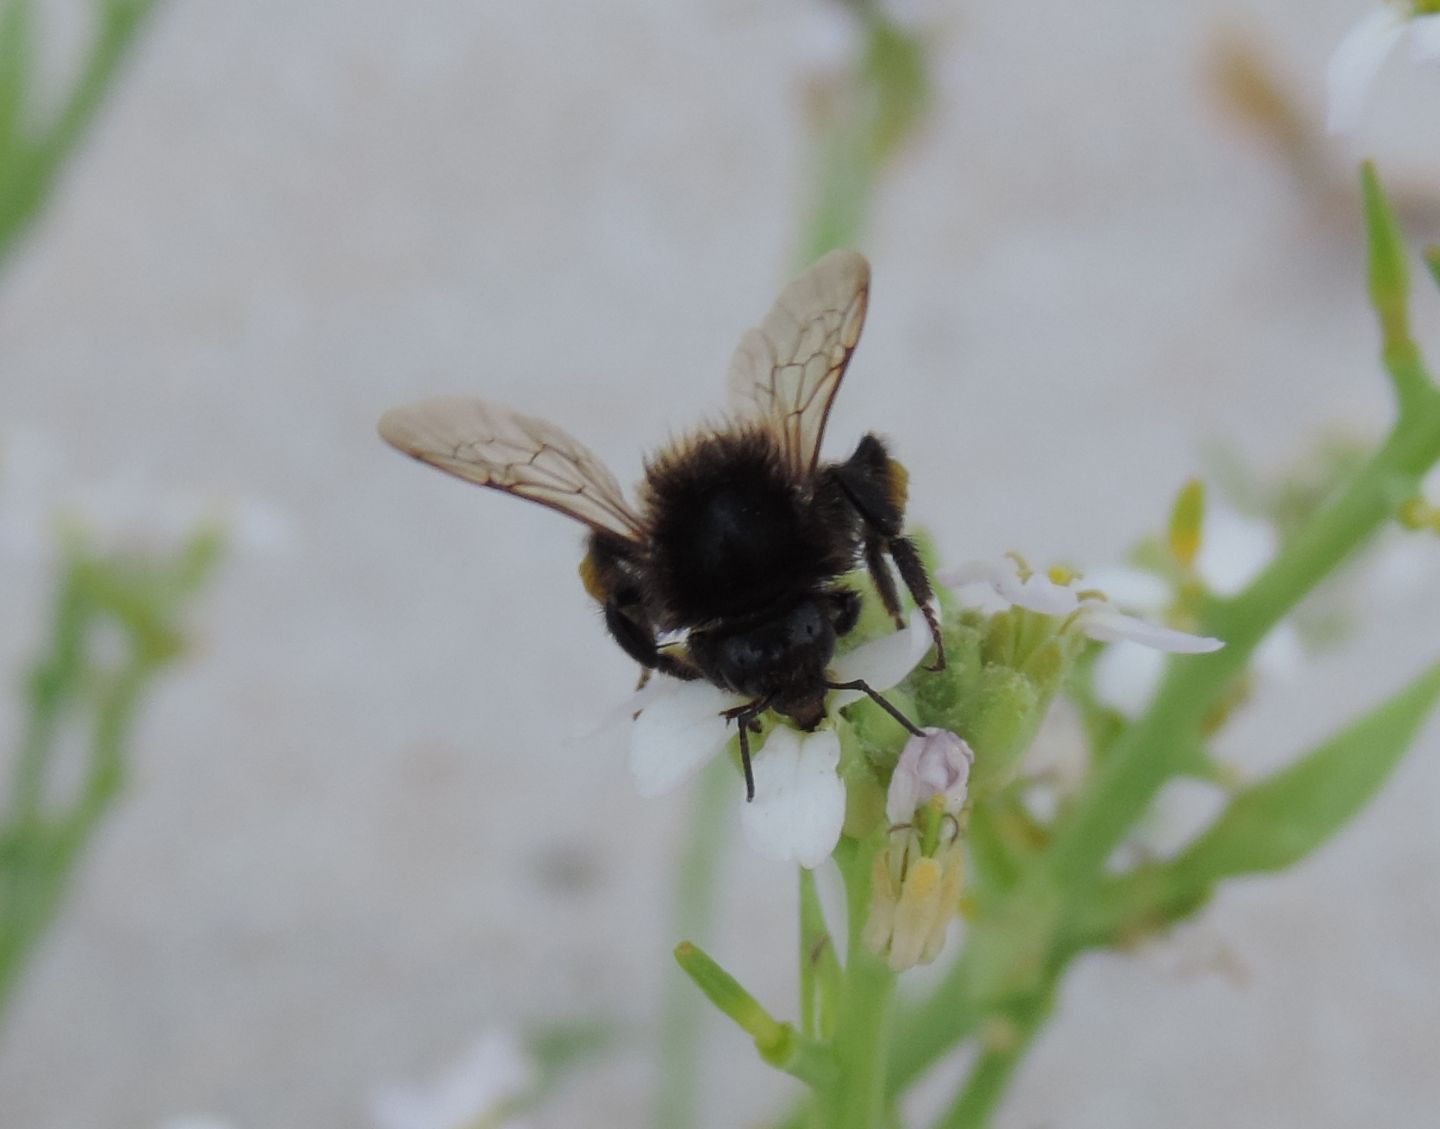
917 878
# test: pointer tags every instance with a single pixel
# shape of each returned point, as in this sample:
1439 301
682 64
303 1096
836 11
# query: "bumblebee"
729 567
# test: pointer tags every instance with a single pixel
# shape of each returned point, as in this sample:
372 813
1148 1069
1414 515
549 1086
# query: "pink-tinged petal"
677 732
1425 39
882 662
799 804
1104 623
936 764
1354 65
1126 676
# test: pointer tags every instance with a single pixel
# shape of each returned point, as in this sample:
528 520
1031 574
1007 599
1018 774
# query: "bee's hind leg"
875 484
639 643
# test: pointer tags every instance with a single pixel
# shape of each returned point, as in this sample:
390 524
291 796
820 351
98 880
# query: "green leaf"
1287 816
1390 291
16 53
1432 262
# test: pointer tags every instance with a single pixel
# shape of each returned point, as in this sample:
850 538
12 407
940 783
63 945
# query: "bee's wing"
494 446
786 371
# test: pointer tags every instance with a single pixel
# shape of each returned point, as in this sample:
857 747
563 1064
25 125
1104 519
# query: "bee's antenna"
876 697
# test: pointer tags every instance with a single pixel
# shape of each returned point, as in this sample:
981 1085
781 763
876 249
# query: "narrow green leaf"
1432 261
726 993
16 52
1389 280
1285 817
1390 291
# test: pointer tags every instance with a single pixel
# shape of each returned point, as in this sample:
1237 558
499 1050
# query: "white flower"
1234 550
937 764
39 494
799 804
1366 46
1088 609
475 1093
198 1121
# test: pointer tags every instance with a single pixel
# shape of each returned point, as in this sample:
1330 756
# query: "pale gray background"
360 829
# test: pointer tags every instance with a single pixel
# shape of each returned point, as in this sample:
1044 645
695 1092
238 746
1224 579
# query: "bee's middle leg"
874 484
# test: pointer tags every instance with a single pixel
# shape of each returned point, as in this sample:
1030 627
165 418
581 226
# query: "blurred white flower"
799 804
477 1092
197 1121
39 497
1358 58
1087 608
937 764
1234 550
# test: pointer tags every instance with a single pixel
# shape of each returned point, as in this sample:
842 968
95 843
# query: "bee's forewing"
493 446
786 371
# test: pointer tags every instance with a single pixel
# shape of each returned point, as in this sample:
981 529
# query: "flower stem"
1006 1043
696 885
863 1023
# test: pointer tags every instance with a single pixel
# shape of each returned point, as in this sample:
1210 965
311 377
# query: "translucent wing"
494 446
786 371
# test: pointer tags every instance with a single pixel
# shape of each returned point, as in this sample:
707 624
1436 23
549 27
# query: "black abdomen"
733 535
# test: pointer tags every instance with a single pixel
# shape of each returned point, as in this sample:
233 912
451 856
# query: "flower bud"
937 763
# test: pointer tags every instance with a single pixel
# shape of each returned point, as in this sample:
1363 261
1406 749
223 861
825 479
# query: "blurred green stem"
31 157
695 892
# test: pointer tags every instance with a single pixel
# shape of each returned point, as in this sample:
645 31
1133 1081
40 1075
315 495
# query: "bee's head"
785 654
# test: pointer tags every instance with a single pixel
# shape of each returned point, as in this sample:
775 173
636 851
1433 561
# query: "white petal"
1233 550
972 572
799 804
1038 593
1104 623
1430 486
1425 39
882 662
677 732
494 1073
201 1121
1181 810
830 888
1126 675
1281 654
1354 65
1132 588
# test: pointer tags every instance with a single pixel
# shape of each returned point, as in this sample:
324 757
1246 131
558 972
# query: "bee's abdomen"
733 535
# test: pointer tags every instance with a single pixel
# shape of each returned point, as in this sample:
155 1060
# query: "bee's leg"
644 679
747 721
884 581
879 699
875 484
639 643
845 606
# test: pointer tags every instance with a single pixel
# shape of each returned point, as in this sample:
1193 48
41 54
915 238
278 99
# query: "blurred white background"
361 827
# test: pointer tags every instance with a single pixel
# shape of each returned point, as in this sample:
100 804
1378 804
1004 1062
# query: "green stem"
863 1024
820 973
26 185
696 890
1006 1043
1153 749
